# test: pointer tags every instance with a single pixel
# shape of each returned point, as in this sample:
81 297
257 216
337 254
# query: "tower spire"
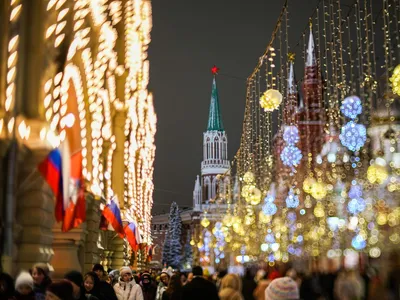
214 116
311 58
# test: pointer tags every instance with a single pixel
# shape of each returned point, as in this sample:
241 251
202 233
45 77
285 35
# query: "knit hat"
125 270
75 277
284 288
24 278
98 267
62 289
44 268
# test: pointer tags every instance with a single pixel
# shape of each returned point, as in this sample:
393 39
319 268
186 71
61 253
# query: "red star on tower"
214 70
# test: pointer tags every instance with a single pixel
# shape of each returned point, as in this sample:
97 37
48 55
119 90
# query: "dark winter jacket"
31 296
200 289
40 290
7 290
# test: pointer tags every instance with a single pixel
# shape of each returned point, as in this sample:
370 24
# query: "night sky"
188 38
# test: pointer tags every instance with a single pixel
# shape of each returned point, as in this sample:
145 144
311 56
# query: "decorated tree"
175 230
172 249
187 253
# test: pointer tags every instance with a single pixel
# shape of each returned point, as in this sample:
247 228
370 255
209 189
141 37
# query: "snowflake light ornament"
353 136
269 209
291 156
291 135
351 107
292 200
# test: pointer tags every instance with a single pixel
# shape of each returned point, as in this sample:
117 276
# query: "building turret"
215 147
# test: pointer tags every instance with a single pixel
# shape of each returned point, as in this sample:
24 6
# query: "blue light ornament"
291 135
356 206
269 209
292 200
353 136
358 242
351 107
291 156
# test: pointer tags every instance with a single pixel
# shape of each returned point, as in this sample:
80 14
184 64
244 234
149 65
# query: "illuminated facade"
77 71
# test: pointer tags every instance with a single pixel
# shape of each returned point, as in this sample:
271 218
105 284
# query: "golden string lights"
344 197
100 87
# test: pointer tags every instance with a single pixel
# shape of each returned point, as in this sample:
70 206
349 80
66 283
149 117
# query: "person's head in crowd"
145 279
61 290
231 281
99 270
174 284
40 274
6 286
197 271
90 282
24 284
284 288
190 277
125 274
183 278
76 279
164 278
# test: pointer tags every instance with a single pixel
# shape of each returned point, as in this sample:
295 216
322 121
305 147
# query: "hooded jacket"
128 290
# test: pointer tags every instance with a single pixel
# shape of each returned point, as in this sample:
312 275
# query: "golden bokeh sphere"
318 190
205 222
248 177
271 100
395 80
377 174
307 184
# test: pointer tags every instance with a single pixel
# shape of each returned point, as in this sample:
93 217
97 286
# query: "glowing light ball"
395 80
227 220
351 107
248 177
318 190
246 190
269 209
291 156
291 135
255 196
355 191
353 136
205 222
377 174
307 184
356 206
358 242
271 100
319 211
292 200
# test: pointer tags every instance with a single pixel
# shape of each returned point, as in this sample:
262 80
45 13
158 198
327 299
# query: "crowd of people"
262 284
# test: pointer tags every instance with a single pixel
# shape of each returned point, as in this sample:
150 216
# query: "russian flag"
51 170
63 173
150 254
113 215
133 235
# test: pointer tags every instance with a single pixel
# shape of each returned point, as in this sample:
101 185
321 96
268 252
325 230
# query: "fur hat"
24 278
75 277
125 270
284 288
62 289
44 268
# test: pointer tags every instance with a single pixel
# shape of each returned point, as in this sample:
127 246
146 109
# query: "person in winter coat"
61 290
199 288
76 279
41 280
91 288
7 290
127 288
24 287
282 288
174 289
149 289
162 286
231 288
105 289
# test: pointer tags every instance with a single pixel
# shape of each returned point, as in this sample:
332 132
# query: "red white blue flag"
112 214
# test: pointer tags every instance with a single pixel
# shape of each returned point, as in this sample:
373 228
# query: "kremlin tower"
215 155
311 114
